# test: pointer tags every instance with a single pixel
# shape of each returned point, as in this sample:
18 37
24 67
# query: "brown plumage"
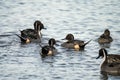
111 63
49 49
74 44
105 37
33 34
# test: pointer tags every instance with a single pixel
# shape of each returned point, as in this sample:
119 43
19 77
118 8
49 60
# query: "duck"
49 50
72 43
31 35
111 58
111 67
105 37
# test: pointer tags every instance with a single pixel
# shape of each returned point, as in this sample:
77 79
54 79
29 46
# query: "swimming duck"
73 44
49 50
113 67
105 37
111 58
29 35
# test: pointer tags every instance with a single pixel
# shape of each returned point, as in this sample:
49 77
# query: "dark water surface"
86 19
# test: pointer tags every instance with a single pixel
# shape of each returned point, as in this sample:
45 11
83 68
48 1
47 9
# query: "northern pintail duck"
29 35
111 67
105 37
49 49
111 58
74 44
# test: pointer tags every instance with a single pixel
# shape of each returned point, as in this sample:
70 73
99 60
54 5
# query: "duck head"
38 26
102 53
69 37
107 32
51 42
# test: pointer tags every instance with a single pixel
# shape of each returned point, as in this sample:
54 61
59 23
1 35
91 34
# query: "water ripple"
86 19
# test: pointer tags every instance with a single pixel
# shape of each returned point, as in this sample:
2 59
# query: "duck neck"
39 33
104 59
51 44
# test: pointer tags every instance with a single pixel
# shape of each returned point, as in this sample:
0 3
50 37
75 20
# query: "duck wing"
29 33
112 58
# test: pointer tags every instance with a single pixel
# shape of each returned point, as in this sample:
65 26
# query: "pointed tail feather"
85 44
22 39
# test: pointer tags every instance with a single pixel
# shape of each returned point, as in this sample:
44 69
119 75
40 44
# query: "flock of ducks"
110 64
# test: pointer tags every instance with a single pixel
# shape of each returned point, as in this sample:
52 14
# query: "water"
86 19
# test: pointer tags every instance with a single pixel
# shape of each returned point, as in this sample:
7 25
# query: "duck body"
113 58
49 50
32 35
105 37
110 67
73 44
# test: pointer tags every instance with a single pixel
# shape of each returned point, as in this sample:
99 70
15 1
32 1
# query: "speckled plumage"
105 37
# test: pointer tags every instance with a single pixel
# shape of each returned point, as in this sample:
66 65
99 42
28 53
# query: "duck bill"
64 39
98 57
45 28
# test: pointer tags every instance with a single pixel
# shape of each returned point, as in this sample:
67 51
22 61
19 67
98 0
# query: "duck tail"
85 44
21 38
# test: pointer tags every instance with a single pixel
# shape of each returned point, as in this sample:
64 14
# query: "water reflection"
85 19
104 76
105 45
